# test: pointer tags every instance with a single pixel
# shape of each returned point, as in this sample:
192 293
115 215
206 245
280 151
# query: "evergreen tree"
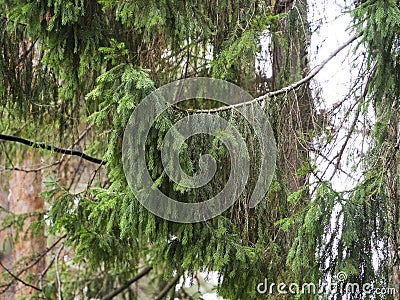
74 71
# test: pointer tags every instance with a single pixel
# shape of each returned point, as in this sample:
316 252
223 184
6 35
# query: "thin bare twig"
45 272
59 293
5 287
32 170
362 99
17 278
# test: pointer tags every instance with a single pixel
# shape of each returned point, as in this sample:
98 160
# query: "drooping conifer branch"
72 152
284 90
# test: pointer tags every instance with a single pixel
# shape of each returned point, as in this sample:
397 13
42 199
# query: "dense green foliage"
65 64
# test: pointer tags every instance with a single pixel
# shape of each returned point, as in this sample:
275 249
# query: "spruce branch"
284 90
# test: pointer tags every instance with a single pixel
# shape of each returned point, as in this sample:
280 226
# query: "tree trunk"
294 110
24 199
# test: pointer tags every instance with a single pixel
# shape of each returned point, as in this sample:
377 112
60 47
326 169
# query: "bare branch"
72 152
17 278
127 284
32 170
167 288
5 287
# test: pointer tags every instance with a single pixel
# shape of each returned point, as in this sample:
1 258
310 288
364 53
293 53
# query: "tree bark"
295 110
24 199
